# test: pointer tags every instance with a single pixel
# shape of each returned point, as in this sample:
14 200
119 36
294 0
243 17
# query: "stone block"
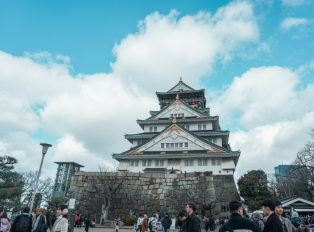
171 175
190 174
161 196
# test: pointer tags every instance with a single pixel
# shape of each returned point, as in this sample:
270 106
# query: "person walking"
77 218
206 223
256 218
61 224
49 218
140 223
38 221
4 221
166 223
22 223
296 220
117 222
211 224
152 223
144 226
273 223
287 226
237 222
80 221
46 225
192 222
182 218
135 223
87 223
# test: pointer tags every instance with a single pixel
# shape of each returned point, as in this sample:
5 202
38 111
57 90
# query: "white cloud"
89 114
288 23
256 97
292 2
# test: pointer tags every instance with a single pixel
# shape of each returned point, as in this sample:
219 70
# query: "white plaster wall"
187 112
217 170
179 139
193 126
180 87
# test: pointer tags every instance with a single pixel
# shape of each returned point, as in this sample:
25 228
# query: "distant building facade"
180 137
283 171
64 178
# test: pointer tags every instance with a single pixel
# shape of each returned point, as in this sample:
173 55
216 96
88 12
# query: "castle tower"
180 137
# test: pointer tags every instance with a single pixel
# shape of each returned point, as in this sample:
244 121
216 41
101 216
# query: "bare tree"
205 198
44 189
105 185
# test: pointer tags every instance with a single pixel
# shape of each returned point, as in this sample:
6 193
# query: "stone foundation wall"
139 187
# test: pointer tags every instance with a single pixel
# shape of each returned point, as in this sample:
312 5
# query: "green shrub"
130 221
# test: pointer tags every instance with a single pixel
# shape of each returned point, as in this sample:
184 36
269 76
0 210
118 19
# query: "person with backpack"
38 221
61 224
49 217
46 224
166 223
287 226
206 223
145 224
257 219
297 221
23 222
117 222
87 223
4 221
211 223
152 224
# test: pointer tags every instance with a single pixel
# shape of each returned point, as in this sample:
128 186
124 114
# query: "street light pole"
44 151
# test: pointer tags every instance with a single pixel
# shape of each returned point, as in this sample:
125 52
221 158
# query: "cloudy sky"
78 75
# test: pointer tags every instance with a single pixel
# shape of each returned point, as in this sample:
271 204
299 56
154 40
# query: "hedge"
130 221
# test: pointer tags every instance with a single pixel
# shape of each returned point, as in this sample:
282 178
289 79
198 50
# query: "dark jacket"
237 222
183 226
166 223
49 218
41 223
13 227
193 223
273 224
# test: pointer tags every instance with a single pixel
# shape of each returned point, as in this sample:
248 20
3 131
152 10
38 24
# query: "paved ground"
101 229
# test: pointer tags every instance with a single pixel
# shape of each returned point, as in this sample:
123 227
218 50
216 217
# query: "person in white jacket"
139 223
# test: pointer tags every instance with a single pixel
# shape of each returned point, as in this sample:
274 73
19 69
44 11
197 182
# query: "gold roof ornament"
180 78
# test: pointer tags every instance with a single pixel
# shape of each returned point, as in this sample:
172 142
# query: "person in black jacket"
49 218
18 218
192 222
182 218
236 221
166 223
273 223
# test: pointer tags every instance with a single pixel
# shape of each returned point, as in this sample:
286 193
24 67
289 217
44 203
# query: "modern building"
180 137
283 171
64 178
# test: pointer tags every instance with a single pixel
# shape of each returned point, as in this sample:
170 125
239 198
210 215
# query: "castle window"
218 162
176 145
204 127
172 145
188 162
162 145
151 129
171 115
175 115
213 162
181 144
167 145
144 163
202 162
199 127
186 144
132 163
187 127
155 129
161 162
215 140
136 163
156 163
149 163
182 115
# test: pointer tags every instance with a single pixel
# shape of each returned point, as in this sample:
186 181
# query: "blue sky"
87 52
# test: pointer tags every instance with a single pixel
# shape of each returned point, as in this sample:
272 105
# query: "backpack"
45 219
23 224
297 222
206 221
150 225
256 221
211 221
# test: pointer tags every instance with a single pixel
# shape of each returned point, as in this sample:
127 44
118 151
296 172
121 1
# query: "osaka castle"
180 137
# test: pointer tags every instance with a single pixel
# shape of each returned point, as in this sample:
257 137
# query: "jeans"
166 230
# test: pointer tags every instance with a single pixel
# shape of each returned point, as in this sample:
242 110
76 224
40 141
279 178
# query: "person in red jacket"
77 221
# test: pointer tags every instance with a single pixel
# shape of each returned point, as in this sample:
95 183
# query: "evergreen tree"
253 188
10 183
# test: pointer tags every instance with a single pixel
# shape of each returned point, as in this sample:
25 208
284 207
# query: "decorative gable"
175 138
181 86
178 109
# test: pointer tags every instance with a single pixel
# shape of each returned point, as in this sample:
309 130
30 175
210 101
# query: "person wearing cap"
237 222
257 219
61 224
286 223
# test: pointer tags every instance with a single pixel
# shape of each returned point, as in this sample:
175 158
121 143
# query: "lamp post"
44 151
